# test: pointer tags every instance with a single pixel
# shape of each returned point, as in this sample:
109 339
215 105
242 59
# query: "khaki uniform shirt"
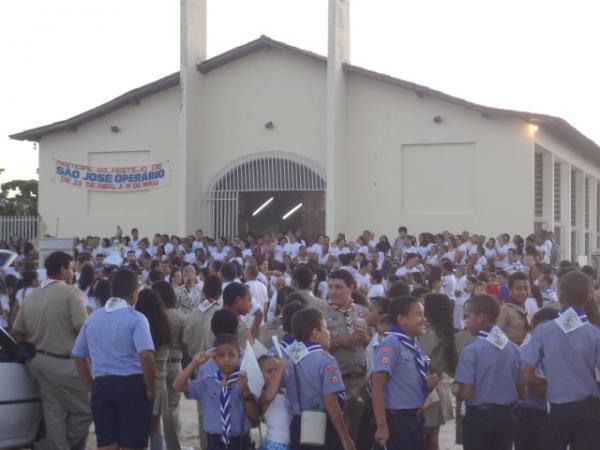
352 360
316 303
49 316
513 321
197 334
176 323
432 346
270 329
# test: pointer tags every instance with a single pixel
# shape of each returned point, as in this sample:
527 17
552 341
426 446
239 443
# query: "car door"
20 403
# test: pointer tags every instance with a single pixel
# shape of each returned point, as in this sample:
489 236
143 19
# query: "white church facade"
358 149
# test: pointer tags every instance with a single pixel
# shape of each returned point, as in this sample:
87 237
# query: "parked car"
21 422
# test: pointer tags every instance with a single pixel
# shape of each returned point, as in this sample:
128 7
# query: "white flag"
250 367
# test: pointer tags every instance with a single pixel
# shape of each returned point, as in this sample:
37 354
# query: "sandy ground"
189 430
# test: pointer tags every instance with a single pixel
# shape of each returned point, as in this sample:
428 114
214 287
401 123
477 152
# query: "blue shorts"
121 411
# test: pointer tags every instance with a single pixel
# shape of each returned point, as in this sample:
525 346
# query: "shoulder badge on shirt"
569 321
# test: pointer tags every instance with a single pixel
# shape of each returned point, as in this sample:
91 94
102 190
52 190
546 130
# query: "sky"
62 57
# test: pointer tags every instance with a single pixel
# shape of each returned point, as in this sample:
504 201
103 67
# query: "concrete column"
580 212
192 52
593 212
548 190
338 52
565 210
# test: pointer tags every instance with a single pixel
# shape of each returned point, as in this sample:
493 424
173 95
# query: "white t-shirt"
376 290
363 281
278 253
449 285
22 293
291 248
259 292
531 307
219 255
278 418
315 248
403 271
459 310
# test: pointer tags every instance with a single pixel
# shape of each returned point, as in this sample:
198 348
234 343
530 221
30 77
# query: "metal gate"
267 171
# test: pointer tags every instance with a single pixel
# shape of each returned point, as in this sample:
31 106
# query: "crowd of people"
363 343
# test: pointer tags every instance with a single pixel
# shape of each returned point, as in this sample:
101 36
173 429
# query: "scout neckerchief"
570 319
298 350
347 312
286 341
206 304
225 401
494 336
114 304
419 357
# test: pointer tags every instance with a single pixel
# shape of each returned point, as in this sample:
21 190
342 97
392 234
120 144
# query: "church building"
267 136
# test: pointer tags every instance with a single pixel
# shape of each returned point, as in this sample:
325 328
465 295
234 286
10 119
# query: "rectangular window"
538 200
557 192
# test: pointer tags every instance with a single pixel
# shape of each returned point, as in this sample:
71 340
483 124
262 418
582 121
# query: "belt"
589 400
174 360
404 412
489 407
53 355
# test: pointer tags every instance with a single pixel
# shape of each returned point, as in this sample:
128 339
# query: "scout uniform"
513 322
405 390
197 333
569 347
48 317
228 427
531 415
112 339
492 364
311 374
171 419
352 360
198 337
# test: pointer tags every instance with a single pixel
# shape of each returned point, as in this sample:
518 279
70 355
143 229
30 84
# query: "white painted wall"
148 133
388 124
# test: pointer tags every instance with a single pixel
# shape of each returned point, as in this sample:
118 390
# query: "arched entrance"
289 188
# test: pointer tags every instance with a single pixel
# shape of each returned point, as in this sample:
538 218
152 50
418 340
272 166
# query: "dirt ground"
189 430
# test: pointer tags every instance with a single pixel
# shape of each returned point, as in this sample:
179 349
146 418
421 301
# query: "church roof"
554 125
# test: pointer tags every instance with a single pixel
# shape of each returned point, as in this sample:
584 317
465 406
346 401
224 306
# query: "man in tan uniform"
197 334
513 319
50 318
349 338
302 279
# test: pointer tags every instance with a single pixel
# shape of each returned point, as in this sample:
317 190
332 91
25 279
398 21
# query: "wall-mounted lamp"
115 129
269 125
437 119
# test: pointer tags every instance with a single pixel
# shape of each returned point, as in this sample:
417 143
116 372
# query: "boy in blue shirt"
532 411
569 348
488 375
117 341
401 382
314 381
225 391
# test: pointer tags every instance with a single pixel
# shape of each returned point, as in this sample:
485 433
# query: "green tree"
18 197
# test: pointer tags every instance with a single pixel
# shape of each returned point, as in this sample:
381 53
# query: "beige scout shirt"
176 323
513 321
49 316
197 334
352 360
270 329
316 303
